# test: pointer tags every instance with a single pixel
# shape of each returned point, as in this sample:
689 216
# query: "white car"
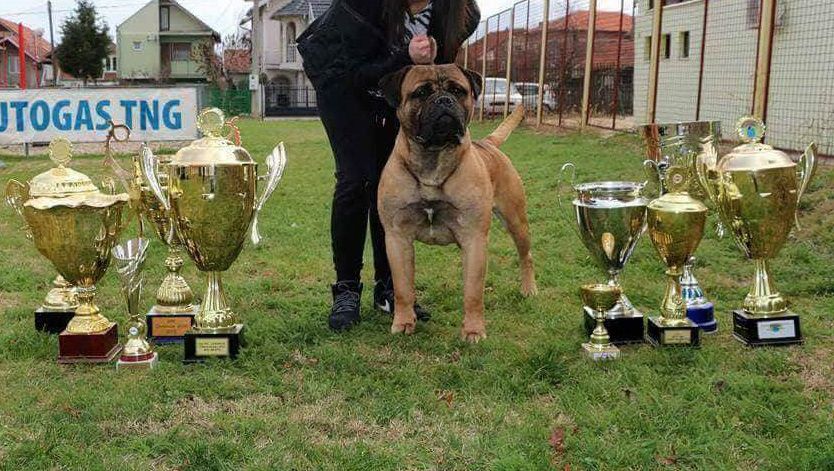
530 92
494 96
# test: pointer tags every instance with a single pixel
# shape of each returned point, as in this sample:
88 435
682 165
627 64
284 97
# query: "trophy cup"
601 298
668 145
676 223
173 314
74 225
211 197
130 259
609 218
756 189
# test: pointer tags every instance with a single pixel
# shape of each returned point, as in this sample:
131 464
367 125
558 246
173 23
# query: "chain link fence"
538 53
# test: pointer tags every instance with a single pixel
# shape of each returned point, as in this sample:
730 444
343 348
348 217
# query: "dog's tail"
503 131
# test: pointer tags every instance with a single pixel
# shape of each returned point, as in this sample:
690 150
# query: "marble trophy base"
99 347
167 327
673 336
703 315
147 362
753 331
621 329
52 322
203 345
600 352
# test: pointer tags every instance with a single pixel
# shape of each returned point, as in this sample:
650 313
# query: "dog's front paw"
403 324
529 288
473 335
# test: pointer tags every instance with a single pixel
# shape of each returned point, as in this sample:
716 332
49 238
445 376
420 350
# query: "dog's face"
434 103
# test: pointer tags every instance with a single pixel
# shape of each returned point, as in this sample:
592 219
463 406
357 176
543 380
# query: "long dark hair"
452 13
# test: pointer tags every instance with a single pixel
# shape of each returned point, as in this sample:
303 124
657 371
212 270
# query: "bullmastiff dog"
440 187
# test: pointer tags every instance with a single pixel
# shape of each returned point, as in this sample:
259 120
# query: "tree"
85 43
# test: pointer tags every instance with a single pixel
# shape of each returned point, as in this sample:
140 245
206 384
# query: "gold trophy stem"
174 295
672 308
61 297
600 337
763 299
214 314
88 318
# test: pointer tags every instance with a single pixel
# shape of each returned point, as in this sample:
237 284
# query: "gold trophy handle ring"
806 169
560 186
233 132
16 194
276 162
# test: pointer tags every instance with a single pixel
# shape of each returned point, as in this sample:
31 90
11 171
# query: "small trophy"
129 259
601 298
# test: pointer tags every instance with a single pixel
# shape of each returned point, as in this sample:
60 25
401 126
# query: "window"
291 45
180 51
666 46
14 65
137 45
164 18
684 41
647 49
113 64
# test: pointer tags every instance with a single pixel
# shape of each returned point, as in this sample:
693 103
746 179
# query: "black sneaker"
345 311
384 300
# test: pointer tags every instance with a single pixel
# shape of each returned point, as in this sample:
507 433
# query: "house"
287 89
238 64
799 103
157 42
36 51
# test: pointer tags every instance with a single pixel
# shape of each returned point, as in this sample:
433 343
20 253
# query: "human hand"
422 49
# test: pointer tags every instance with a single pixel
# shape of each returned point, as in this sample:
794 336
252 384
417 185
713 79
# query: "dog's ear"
475 81
392 84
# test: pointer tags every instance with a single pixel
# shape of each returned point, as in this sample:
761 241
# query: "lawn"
301 397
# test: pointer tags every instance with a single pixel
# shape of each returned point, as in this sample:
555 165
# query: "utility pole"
257 46
52 45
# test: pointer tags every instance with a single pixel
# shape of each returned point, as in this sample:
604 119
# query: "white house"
801 93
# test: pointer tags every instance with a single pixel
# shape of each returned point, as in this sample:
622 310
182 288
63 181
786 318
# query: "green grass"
301 397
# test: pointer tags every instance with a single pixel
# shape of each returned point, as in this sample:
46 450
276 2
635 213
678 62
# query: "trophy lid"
752 154
677 203
60 181
214 148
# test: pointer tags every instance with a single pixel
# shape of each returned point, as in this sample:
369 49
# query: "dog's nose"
444 100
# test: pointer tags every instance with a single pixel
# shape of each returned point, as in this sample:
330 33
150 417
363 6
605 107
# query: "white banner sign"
81 115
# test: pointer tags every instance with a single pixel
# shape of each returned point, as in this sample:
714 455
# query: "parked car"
495 95
530 92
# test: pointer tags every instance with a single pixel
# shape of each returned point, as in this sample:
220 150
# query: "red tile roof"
36 47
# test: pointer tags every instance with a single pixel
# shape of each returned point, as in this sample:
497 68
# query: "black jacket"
347 45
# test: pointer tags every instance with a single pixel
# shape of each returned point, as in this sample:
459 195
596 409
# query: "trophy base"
660 335
52 322
600 353
166 328
756 331
201 346
99 347
141 363
703 315
621 329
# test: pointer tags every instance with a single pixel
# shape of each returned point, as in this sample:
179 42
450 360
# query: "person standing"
346 51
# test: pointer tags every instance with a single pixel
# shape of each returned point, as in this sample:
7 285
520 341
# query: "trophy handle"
16 194
150 166
806 169
655 174
560 185
233 133
275 164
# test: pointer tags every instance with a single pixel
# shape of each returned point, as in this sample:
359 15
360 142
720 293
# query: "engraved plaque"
211 346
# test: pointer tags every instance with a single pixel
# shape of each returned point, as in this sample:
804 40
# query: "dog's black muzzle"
442 122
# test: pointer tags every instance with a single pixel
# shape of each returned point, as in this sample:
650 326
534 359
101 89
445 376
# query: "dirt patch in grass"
816 370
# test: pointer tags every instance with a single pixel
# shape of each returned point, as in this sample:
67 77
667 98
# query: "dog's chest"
433 221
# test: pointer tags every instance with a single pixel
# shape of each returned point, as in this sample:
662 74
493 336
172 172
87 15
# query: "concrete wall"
142 27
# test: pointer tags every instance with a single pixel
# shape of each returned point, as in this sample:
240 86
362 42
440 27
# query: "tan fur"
503 131
451 201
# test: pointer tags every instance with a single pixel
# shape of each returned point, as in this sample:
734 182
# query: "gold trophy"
676 223
601 298
756 189
74 225
173 314
129 259
211 186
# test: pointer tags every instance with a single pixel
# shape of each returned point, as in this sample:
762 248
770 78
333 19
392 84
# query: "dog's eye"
421 92
456 90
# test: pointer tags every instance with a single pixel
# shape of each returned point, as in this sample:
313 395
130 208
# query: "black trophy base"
201 345
678 336
166 328
622 329
757 331
52 322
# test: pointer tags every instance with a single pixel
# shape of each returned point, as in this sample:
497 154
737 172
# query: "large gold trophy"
756 189
676 223
210 192
74 225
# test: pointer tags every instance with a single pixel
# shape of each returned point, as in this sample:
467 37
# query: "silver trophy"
609 218
129 259
673 145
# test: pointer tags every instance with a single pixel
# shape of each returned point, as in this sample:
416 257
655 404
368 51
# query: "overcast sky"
222 15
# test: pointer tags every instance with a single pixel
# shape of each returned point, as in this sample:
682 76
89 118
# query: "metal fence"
232 102
617 63
283 100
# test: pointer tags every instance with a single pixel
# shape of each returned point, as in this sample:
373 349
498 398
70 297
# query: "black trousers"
362 130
